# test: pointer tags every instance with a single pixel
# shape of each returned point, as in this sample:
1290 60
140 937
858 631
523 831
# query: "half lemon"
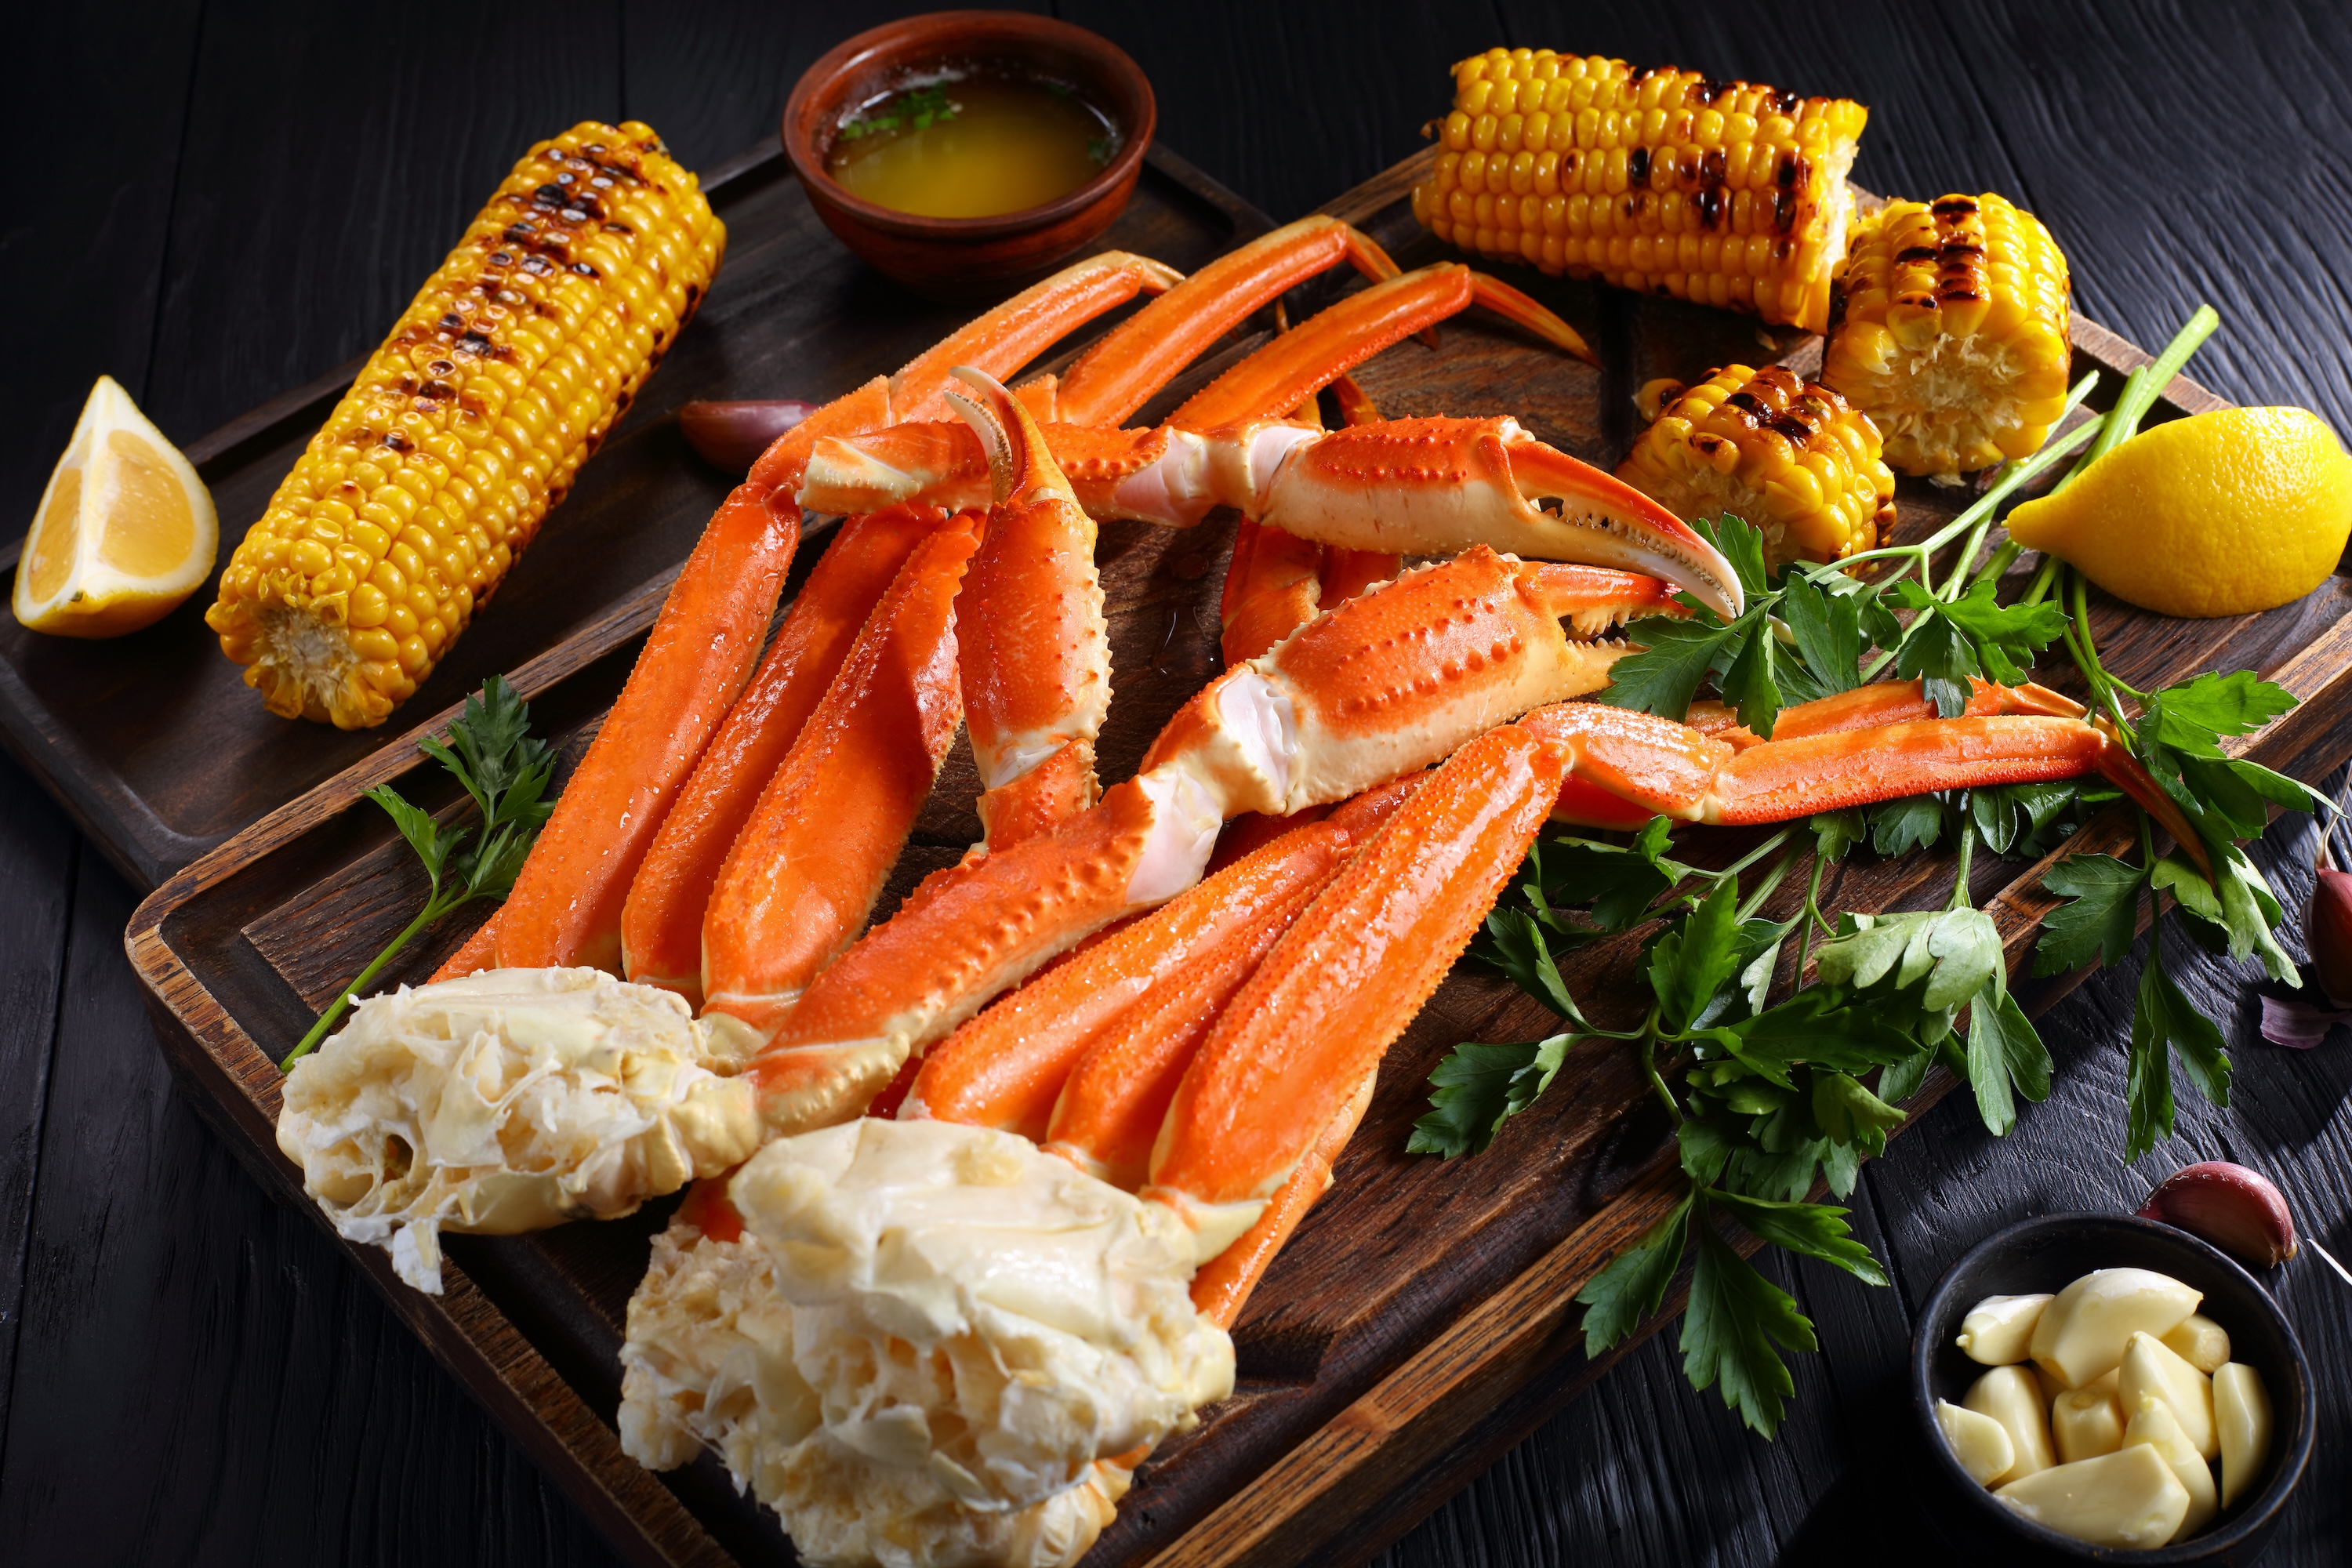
125 532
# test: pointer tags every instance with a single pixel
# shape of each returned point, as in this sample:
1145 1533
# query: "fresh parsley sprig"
506 771
1768 1099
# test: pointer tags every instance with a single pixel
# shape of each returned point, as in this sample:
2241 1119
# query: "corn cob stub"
404 513
1785 454
1952 331
1725 193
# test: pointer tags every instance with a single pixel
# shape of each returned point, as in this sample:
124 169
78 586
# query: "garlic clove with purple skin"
731 435
2238 1210
2328 930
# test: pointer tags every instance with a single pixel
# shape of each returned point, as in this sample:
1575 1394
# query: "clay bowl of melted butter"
966 153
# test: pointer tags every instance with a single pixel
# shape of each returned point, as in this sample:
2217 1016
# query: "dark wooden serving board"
156 746
1420 1321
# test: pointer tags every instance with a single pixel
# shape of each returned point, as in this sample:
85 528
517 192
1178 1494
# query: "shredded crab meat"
506 1102
931 1345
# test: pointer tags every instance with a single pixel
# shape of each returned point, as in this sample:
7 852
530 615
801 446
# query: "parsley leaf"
1817 1230
1848 1113
1690 964
2162 1023
2196 711
1827 631
506 771
1835 832
1669 660
2004 1052
1957 952
1736 1317
2100 917
1748 685
1627 1293
1480 1086
1514 943
1949 644
1914 822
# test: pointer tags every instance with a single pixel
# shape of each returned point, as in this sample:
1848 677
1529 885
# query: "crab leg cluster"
1150 1064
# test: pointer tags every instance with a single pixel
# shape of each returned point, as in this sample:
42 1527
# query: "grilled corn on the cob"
1782 454
406 510
1952 331
1724 193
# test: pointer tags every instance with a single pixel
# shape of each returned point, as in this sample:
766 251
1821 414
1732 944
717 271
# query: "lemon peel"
2218 514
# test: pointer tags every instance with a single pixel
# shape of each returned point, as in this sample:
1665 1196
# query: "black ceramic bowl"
2046 1255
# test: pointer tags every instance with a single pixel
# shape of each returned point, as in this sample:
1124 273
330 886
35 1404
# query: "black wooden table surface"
217 201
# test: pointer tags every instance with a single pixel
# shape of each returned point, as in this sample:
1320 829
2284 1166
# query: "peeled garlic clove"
2081 1333
2085 1423
2241 1409
1999 1329
1979 1442
2154 1424
2009 1396
2199 1341
2128 1497
2150 1371
2238 1210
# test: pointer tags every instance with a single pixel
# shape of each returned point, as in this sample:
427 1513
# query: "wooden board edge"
476 1343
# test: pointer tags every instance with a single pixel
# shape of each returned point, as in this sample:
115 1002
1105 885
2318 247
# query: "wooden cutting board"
1420 1321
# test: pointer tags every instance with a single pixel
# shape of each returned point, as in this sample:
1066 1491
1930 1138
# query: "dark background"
215 202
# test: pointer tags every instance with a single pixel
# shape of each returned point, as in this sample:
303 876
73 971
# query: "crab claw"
1432 486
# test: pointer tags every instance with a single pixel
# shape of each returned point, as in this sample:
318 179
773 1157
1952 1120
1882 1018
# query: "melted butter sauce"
973 147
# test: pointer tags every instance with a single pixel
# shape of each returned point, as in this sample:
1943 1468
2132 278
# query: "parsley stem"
1977 515
1768 887
1748 860
1650 1070
2086 653
2042 580
2147 384
1961 899
435 908
1997 563
1813 913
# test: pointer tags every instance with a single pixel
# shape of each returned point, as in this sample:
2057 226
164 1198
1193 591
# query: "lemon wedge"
2218 514
125 530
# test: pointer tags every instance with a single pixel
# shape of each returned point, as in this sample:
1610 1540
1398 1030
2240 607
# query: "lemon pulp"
149 528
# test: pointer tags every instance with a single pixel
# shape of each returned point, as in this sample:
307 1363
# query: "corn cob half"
1724 193
405 511
1950 331
1789 458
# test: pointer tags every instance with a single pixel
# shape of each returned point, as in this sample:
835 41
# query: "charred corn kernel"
504 373
1778 452
1950 331
1725 193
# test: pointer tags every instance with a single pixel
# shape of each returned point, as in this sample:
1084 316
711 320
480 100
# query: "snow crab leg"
566 907
1418 486
667 898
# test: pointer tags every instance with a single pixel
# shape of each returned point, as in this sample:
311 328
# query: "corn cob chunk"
405 511
1725 193
1789 458
1952 331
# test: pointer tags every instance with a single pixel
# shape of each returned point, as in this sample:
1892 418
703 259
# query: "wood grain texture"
87 259
37 863
2164 129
